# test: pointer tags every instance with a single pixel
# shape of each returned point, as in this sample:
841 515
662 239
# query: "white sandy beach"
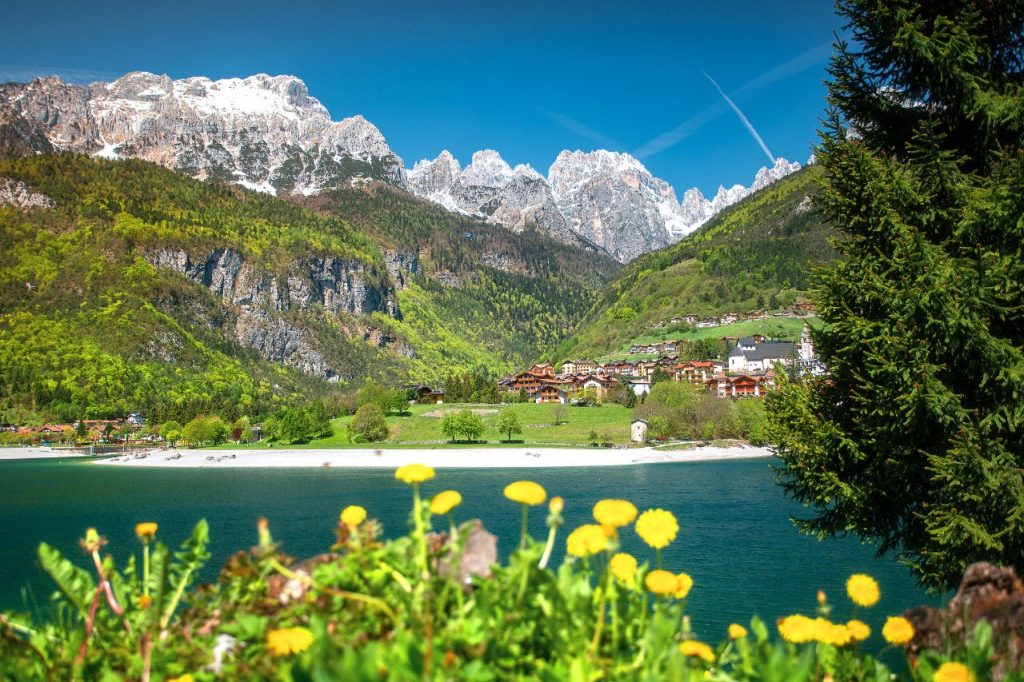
483 457
35 453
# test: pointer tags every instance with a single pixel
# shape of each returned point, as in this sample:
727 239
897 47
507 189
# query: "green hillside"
517 295
757 254
116 299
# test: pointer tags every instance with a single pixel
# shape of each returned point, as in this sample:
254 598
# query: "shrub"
369 423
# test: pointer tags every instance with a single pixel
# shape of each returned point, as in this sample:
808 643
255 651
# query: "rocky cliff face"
259 299
262 132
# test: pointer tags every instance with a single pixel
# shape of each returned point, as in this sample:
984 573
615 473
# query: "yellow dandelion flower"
737 631
859 630
697 650
187 677
145 601
953 672
657 527
661 582
615 513
556 505
414 473
289 641
623 567
683 585
586 540
863 590
353 515
797 629
897 630
828 632
444 502
145 531
526 492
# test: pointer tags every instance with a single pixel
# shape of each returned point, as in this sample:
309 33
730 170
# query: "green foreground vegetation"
397 610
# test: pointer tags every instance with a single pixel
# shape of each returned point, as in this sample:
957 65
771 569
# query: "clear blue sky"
526 78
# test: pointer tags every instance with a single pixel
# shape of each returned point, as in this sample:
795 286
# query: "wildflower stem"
524 528
596 641
145 569
546 556
657 558
456 564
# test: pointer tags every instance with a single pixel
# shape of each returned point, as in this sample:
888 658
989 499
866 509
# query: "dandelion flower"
145 531
657 527
897 630
586 540
858 630
187 677
737 631
614 513
953 672
797 629
289 641
145 601
863 590
623 567
697 650
526 492
556 505
414 473
683 585
444 502
661 582
828 632
353 515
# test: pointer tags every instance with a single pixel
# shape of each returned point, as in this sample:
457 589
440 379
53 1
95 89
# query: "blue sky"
526 78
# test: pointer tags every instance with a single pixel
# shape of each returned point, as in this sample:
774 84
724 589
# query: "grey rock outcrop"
259 299
17 193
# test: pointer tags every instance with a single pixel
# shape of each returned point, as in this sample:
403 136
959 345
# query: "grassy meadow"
422 426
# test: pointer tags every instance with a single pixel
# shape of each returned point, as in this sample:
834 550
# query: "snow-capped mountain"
267 133
608 198
262 132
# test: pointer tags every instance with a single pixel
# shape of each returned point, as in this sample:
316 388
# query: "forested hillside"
128 287
477 288
754 255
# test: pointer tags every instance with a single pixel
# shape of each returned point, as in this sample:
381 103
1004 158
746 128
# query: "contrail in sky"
743 119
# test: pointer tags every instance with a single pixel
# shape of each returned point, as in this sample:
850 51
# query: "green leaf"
75 583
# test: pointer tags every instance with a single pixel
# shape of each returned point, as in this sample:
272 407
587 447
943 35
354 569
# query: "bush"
369 423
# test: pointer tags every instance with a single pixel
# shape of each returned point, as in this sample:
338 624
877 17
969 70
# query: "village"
748 371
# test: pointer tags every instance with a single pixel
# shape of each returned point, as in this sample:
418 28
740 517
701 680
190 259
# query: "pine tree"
915 440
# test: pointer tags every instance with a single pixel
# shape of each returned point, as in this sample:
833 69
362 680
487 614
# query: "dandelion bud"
92 541
822 599
263 528
145 601
556 505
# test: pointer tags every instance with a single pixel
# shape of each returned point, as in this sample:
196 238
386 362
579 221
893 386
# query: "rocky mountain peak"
264 132
487 169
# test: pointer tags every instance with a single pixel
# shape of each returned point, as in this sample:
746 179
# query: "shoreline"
35 452
461 458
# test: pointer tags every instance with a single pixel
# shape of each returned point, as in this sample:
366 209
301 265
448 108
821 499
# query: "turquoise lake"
736 538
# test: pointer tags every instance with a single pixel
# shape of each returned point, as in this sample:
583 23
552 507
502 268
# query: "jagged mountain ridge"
608 198
267 133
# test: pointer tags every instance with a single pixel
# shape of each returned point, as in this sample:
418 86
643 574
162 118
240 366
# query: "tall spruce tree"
915 439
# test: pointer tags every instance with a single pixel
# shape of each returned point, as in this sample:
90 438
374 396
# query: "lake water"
736 539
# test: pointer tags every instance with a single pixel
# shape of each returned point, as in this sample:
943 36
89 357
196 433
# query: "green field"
422 428
780 328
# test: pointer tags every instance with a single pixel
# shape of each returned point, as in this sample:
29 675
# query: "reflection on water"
736 540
